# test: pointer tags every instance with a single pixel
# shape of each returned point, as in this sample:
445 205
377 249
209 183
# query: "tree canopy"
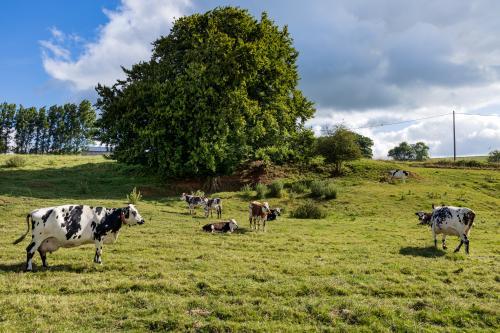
409 152
219 89
338 146
62 129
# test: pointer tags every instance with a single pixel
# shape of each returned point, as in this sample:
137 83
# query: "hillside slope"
367 266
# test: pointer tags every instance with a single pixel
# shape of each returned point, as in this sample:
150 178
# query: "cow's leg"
444 242
98 252
43 255
434 237
466 242
264 225
459 246
30 252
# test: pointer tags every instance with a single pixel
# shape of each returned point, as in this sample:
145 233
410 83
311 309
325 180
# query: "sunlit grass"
366 266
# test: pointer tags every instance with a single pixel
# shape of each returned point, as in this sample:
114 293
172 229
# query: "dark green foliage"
15 162
309 210
410 152
7 121
365 145
494 156
276 189
63 129
261 190
338 146
298 187
219 89
323 190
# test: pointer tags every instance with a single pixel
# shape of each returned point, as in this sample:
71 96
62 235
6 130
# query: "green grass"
367 266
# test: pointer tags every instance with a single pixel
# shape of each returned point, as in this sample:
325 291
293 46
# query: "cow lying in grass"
273 214
228 226
193 201
398 174
449 220
74 225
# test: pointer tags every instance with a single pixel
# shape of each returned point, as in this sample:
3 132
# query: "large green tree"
338 146
219 89
410 152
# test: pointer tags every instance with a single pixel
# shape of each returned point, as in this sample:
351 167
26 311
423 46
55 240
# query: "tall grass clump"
246 190
276 189
134 197
198 193
83 187
15 162
323 190
298 187
308 210
261 190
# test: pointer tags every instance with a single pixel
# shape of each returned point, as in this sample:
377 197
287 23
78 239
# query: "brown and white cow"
449 220
258 213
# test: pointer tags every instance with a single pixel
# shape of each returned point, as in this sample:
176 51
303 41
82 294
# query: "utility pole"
454 142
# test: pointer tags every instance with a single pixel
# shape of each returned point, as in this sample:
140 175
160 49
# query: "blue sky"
361 62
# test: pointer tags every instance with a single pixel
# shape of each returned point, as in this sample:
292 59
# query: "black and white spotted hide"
74 225
213 204
449 220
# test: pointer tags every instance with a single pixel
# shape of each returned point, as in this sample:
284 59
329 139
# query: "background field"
368 266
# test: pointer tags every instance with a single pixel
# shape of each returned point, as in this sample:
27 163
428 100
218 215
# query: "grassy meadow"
366 267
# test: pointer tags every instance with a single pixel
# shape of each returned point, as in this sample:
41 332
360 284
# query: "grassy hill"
367 266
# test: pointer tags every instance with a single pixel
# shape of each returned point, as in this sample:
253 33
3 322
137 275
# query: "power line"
402 122
477 114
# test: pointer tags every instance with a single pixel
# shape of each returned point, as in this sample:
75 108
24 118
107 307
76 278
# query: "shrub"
494 156
298 187
276 189
323 190
198 193
308 211
134 197
15 162
246 190
261 190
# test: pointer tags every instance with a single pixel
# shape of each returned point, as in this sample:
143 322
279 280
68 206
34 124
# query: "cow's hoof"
445 247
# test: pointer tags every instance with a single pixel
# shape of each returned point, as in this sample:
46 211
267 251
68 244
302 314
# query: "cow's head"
233 225
276 211
425 218
131 216
183 196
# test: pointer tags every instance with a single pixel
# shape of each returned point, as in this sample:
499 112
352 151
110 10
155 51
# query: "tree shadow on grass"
427 252
106 180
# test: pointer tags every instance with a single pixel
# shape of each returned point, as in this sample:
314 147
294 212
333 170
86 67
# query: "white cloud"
126 39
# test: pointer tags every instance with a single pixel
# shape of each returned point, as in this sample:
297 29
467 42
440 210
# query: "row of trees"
60 129
410 152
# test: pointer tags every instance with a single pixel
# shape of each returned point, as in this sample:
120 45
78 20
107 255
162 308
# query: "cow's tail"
27 231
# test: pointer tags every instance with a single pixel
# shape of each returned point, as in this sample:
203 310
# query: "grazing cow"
74 225
449 220
213 203
399 174
193 201
273 214
257 214
228 226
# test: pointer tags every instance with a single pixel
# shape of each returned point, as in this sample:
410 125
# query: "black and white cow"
273 214
213 204
193 201
74 225
227 226
449 220
399 174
